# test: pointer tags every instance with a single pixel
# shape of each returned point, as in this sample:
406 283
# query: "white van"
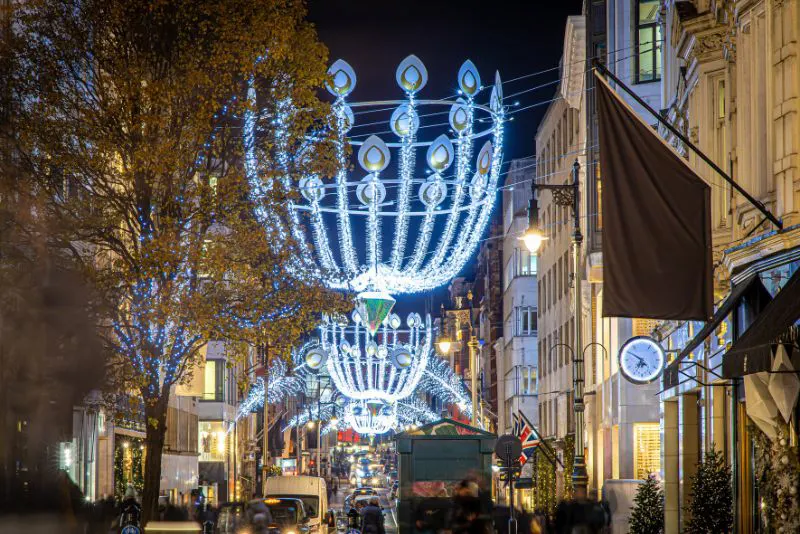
311 490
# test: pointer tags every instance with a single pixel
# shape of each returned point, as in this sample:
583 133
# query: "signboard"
288 466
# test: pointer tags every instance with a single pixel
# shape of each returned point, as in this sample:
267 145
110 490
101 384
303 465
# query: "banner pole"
758 204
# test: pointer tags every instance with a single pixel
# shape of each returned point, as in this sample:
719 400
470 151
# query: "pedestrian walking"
581 516
372 518
353 519
131 511
467 514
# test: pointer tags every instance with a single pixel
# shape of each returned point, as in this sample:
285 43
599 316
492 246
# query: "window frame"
531 312
654 28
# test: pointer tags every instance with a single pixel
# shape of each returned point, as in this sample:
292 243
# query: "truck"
311 490
433 459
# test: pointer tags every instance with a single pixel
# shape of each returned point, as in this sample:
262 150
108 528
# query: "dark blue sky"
515 38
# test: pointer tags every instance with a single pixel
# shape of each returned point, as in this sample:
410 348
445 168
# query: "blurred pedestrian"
353 519
372 518
581 516
467 513
131 513
259 524
501 517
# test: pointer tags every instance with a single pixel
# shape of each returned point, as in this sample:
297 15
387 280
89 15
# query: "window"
721 204
212 441
647 449
598 195
528 381
560 277
648 41
213 380
526 321
524 377
509 273
615 451
527 263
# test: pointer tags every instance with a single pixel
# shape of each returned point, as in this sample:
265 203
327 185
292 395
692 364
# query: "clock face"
641 360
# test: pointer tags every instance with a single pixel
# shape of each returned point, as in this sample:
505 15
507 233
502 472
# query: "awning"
754 350
671 373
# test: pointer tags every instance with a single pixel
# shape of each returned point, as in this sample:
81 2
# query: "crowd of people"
470 511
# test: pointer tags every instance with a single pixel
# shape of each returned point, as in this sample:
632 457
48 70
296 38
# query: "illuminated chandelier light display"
381 362
372 421
401 204
369 416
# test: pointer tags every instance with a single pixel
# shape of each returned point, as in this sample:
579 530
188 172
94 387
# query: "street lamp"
445 344
568 195
533 238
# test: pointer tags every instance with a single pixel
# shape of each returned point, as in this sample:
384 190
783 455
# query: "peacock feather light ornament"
382 365
365 416
372 224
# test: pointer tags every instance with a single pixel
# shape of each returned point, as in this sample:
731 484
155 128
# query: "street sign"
508 448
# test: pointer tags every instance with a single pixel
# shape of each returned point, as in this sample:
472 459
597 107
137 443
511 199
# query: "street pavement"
389 512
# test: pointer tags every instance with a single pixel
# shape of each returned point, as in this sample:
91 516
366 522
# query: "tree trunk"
154 443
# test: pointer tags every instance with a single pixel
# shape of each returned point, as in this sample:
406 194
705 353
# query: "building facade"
621 424
730 85
488 297
559 144
622 419
517 350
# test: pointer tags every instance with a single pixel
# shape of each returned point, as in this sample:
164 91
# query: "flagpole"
758 204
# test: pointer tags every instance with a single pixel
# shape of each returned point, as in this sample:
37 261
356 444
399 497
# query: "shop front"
733 386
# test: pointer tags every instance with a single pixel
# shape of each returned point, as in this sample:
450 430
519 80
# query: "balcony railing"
212 397
130 413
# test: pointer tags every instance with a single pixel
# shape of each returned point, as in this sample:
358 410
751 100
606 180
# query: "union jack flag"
527 434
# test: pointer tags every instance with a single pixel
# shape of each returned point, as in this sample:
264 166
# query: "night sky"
515 38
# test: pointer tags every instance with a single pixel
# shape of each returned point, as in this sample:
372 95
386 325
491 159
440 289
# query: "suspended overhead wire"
512 95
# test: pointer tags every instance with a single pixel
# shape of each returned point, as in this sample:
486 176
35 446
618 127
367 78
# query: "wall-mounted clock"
641 359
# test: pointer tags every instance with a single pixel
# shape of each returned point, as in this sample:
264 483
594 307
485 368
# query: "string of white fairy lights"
465 217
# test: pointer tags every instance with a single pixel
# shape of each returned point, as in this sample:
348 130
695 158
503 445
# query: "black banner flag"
656 221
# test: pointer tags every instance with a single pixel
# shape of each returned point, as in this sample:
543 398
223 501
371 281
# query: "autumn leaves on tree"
128 129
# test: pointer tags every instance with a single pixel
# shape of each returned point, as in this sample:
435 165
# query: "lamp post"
311 425
444 344
473 364
265 439
318 421
568 195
